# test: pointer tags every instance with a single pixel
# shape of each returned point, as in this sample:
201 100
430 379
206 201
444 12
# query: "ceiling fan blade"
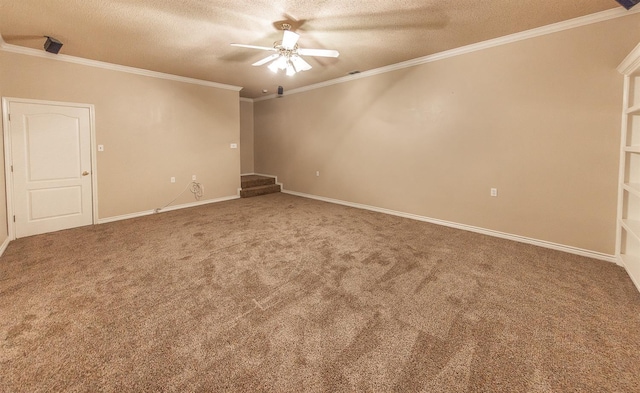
254 47
289 39
300 64
318 52
266 60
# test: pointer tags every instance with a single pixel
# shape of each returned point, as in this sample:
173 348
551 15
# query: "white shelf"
634 110
632 227
633 188
632 149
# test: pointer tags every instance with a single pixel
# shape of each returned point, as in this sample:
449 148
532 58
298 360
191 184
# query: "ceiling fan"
288 54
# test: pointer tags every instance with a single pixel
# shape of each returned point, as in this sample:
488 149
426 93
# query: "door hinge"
14 218
9 114
11 168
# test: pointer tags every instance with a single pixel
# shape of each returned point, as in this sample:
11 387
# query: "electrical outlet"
173 179
317 173
193 177
494 192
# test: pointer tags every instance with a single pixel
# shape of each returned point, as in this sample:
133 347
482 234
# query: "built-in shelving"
634 110
632 227
632 149
628 232
633 188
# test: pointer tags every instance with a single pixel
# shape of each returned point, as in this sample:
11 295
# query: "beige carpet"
284 294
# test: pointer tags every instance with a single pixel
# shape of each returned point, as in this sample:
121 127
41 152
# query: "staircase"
254 185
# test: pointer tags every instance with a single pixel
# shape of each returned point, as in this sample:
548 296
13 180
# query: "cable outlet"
173 179
193 177
494 192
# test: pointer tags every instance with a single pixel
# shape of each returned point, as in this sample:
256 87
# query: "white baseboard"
4 245
484 231
166 209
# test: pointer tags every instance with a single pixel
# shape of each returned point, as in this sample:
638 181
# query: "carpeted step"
259 190
249 181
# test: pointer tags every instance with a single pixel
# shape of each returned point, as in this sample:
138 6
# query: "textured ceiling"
191 37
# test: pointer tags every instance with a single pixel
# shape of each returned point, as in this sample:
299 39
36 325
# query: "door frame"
8 159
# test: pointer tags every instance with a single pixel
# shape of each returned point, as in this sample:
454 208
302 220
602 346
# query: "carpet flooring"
286 294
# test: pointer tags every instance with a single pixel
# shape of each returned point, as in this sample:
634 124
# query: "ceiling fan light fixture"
273 67
299 63
281 62
290 70
288 56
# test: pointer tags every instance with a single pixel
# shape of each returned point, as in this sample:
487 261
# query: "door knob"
85 173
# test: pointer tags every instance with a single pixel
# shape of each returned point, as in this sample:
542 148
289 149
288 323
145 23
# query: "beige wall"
538 119
152 129
246 137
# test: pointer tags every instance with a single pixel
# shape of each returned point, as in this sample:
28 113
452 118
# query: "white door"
51 159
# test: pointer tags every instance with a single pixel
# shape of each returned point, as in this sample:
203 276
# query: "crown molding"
109 66
508 39
631 63
540 31
244 99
